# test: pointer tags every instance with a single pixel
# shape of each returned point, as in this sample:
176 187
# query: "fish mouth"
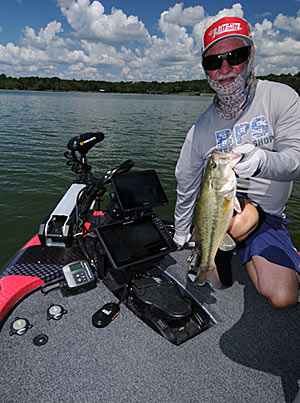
225 158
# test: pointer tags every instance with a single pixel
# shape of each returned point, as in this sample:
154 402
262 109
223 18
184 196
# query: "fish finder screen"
130 243
138 190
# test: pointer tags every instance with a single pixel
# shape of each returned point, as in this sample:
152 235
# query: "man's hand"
252 159
181 240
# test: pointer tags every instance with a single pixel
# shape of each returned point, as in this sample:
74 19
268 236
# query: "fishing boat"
97 307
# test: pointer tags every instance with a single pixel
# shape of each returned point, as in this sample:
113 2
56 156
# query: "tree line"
193 87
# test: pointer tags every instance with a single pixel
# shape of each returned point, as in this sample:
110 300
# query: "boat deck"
251 354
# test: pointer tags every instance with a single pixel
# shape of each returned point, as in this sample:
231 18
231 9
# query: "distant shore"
191 87
183 93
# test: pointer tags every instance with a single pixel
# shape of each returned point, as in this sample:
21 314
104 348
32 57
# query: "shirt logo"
256 132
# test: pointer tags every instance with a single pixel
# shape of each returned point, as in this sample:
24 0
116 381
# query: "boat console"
121 246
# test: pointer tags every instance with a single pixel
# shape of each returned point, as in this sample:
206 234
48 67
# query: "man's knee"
283 301
242 224
280 295
279 284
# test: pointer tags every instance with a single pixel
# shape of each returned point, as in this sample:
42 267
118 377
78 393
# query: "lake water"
36 126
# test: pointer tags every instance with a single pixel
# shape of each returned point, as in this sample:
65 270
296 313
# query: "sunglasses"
233 58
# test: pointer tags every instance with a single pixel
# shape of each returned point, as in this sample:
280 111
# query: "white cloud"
114 46
183 16
90 22
276 52
176 46
102 55
265 14
45 36
289 24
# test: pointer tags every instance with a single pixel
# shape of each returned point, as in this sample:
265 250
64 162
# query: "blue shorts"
270 240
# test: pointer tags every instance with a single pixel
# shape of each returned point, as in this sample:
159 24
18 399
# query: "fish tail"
208 275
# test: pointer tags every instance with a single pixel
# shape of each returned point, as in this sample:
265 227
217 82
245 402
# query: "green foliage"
288 79
192 87
195 87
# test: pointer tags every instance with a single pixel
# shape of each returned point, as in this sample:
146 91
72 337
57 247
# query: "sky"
135 40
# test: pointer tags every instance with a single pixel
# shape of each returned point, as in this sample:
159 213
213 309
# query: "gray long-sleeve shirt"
271 122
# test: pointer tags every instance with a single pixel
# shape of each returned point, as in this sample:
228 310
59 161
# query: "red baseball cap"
226 27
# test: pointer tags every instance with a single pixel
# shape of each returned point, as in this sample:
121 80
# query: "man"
261 120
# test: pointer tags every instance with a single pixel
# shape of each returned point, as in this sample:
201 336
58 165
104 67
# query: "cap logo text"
229 27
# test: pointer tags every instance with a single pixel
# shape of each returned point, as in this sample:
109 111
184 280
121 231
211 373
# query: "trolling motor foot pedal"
159 302
162 295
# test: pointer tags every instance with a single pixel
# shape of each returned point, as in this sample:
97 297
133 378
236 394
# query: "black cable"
124 294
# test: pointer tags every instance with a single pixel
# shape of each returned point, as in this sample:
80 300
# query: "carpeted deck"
251 354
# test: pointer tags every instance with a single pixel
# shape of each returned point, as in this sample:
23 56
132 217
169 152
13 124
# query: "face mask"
231 100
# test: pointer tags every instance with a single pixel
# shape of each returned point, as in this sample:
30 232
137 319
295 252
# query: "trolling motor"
73 208
56 230
82 144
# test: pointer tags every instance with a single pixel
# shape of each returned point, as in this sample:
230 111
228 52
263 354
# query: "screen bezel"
138 176
164 248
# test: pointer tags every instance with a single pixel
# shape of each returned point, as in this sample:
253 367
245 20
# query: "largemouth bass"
214 211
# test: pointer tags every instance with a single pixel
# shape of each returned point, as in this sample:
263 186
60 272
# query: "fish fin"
237 205
208 276
227 195
227 243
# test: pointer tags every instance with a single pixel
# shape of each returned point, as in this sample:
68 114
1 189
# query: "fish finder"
138 190
133 242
